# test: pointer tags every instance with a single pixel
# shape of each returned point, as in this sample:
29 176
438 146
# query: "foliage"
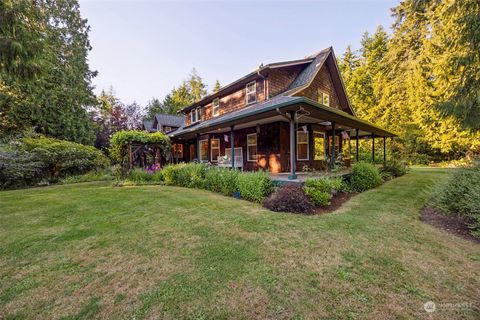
289 198
120 140
154 106
31 160
191 90
254 186
45 80
395 167
142 176
320 190
421 82
216 86
364 176
221 180
461 195
98 175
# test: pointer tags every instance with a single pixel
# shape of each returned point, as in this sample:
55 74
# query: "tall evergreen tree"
154 106
45 78
216 86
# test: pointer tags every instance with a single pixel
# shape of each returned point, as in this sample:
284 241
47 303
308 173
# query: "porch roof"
271 108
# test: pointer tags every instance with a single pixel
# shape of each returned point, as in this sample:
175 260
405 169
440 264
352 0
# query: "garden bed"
336 202
452 224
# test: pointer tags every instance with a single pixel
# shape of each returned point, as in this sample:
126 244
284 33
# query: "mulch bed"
336 202
455 225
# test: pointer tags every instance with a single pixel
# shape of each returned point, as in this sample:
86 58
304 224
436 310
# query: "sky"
144 48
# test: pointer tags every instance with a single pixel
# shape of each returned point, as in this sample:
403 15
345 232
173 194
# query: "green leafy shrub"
364 176
38 159
321 190
221 180
289 198
460 196
254 186
395 168
188 175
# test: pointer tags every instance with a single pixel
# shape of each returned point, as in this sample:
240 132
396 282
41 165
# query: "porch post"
332 159
373 147
293 153
384 150
232 148
356 145
198 147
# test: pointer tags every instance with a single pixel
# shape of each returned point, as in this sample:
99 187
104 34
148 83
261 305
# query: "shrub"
395 168
289 198
254 186
188 175
321 190
460 196
39 159
364 176
221 180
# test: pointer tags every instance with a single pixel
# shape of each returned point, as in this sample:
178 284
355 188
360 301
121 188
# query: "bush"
222 180
188 175
289 198
395 168
364 176
321 190
39 159
254 186
460 196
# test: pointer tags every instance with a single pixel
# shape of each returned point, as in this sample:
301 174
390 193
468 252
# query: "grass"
91 250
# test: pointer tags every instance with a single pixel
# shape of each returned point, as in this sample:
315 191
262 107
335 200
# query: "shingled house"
280 117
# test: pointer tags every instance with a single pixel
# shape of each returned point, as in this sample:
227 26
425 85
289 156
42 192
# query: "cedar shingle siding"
322 81
280 79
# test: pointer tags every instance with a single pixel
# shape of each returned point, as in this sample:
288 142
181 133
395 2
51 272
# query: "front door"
191 153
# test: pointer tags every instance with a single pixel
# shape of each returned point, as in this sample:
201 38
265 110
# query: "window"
168 129
319 143
252 147
302 145
323 98
216 107
203 150
195 115
251 93
214 149
178 150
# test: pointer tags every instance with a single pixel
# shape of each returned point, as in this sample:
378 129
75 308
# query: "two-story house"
279 117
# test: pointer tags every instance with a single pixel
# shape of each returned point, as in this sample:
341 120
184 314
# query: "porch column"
332 158
198 147
373 147
356 145
293 153
232 148
384 150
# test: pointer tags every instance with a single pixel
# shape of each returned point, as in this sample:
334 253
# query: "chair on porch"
226 161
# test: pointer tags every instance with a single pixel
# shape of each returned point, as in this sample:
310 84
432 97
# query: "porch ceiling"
271 110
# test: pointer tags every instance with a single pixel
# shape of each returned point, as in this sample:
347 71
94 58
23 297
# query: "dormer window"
323 98
251 93
195 115
216 107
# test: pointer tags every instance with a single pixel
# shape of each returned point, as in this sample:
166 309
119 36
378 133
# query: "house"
166 122
280 117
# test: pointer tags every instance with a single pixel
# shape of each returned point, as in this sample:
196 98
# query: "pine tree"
216 86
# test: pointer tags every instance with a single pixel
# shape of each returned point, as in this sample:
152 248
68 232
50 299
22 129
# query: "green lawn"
91 250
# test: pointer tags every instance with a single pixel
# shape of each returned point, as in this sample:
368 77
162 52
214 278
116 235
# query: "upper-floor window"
168 129
195 115
323 98
251 92
216 107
